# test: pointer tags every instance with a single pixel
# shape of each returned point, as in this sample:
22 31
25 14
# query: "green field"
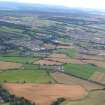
18 59
82 70
68 52
7 29
34 76
28 73
94 98
4 103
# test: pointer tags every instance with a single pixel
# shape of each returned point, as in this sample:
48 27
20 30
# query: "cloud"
98 4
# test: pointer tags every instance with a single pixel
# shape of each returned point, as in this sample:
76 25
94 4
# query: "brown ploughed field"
45 94
51 46
97 63
9 65
67 79
47 62
58 59
98 77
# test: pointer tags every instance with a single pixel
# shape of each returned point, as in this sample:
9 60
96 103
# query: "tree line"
12 99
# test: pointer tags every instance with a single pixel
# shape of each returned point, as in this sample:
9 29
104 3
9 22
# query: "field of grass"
4 103
94 98
18 59
68 52
82 70
28 72
34 76
7 29
30 67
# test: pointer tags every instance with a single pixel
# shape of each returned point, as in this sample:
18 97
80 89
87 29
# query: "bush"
58 101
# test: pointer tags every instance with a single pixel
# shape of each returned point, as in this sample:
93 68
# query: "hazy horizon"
92 4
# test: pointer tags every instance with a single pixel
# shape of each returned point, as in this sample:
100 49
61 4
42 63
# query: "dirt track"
45 94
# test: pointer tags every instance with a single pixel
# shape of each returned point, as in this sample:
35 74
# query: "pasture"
69 52
35 76
82 70
19 59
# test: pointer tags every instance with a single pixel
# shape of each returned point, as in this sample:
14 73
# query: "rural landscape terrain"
51 57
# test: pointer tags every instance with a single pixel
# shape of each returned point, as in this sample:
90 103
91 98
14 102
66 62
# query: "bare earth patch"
98 77
92 57
45 94
62 58
67 79
97 63
65 59
9 65
57 55
54 59
76 61
59 59
51 46
47 62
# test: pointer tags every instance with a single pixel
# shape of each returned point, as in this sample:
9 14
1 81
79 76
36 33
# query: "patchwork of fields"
76 72
49 56
22 72
84 71
71 80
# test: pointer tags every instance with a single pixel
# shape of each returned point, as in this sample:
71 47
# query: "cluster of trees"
12 99
58 101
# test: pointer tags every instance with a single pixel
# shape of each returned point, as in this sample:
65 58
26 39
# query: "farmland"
94 98
82 70
69 52
44 94
35 76
22 71
9 65
18 59
45 56
71 80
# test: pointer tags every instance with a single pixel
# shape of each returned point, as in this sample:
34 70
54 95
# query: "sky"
96 4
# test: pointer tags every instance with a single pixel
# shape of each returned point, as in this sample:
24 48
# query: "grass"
66 40
82 70
30 67
18 59
28 73
4 103
68 52
7 29
94 98
34 76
